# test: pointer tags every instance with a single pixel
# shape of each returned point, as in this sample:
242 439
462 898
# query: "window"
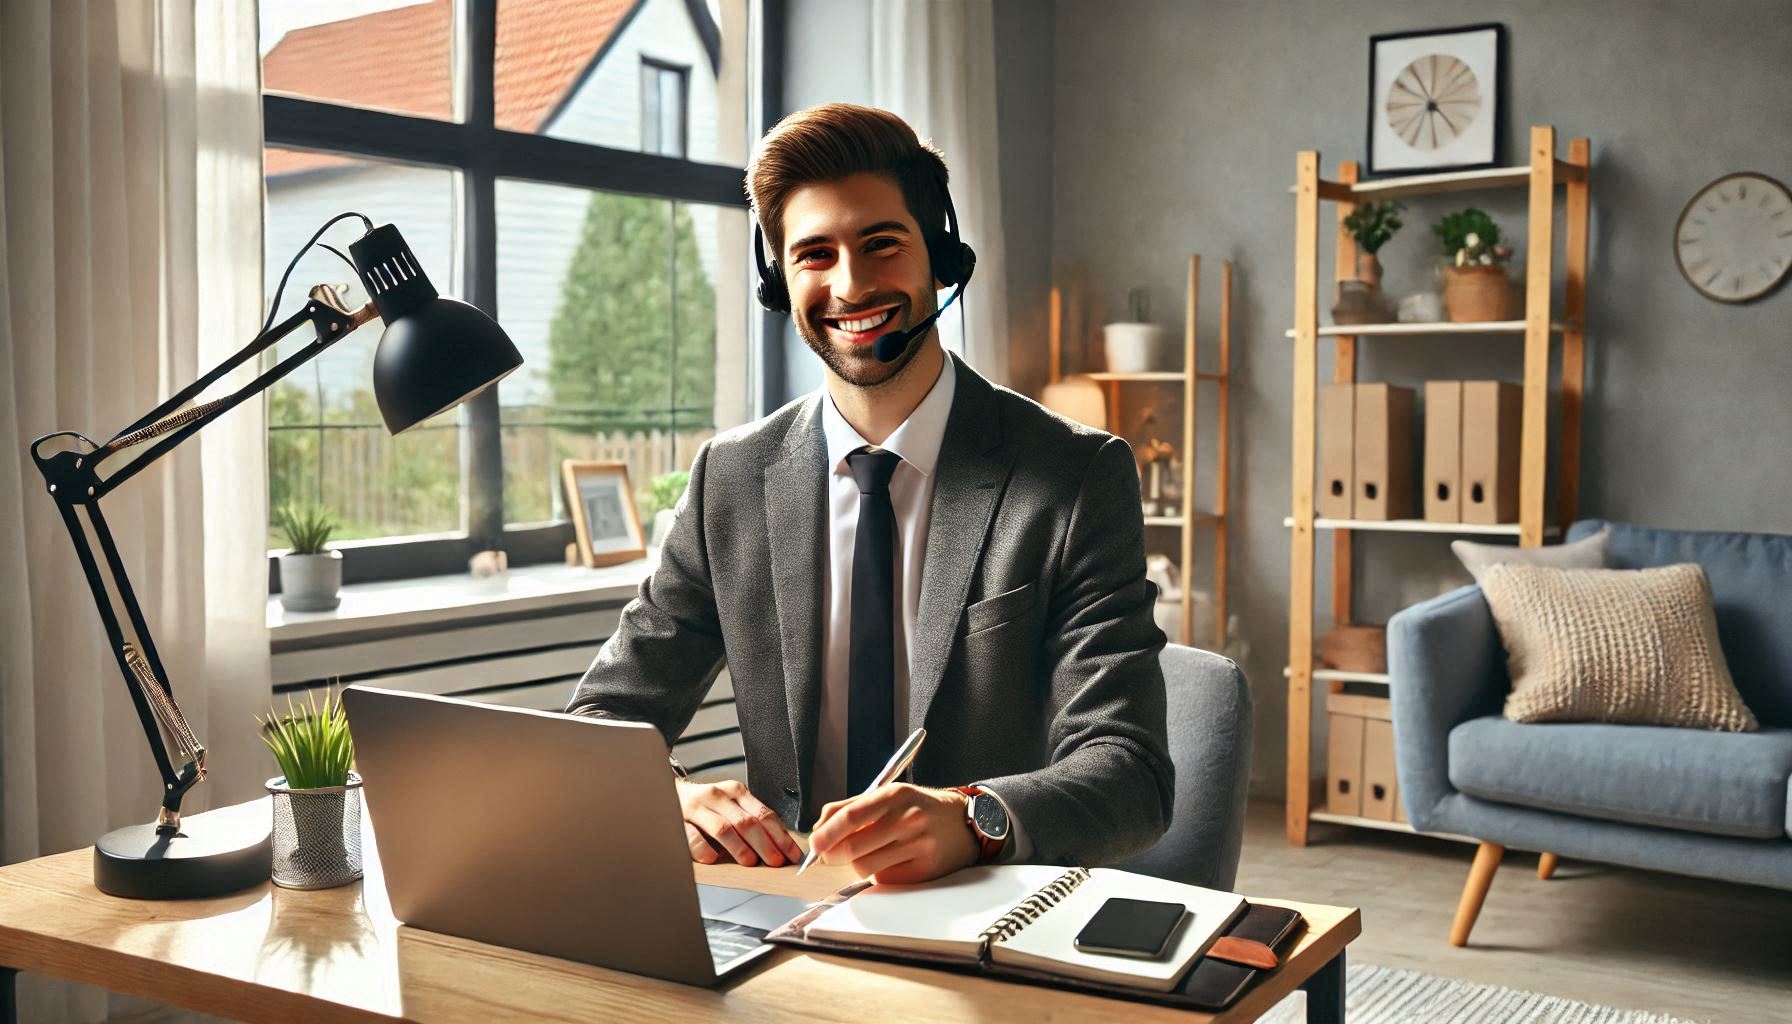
662 108
584 188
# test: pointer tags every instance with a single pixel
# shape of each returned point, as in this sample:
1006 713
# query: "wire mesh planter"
317 834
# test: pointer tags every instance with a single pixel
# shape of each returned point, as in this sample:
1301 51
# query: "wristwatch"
677 768
988 822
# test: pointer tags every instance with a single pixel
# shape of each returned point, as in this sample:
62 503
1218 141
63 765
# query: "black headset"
951 259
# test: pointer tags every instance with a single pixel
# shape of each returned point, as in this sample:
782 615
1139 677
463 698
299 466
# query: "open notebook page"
1046 944
946 915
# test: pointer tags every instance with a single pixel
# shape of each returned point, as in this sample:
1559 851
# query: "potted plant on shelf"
317 796
660 503
1137 345
1372 224
1476 288
310 576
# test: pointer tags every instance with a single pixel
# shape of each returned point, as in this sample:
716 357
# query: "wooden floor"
1697 949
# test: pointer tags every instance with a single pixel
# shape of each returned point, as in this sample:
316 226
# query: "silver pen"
898 763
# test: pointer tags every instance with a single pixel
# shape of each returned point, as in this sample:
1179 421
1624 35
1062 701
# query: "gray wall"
1177 125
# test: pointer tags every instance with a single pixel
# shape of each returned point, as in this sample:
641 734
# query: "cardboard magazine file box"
1337 428
1383 463
1491 412
1443 451
1344 762
1360 758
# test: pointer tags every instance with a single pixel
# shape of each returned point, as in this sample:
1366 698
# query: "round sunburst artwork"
1434 99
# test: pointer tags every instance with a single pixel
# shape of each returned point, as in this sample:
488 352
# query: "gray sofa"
1711 804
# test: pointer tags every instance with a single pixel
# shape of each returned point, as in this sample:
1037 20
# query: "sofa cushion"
1751 592
1731 784
1632 646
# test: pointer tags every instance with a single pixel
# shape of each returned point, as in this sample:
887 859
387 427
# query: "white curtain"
130 264
933 63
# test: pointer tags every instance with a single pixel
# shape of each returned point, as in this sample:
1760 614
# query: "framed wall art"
1434 99
602 508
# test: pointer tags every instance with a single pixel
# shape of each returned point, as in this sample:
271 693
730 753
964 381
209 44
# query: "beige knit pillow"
1613 645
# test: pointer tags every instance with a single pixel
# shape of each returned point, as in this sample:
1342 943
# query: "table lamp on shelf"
436 352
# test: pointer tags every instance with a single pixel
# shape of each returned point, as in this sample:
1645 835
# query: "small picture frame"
602 508
1435 100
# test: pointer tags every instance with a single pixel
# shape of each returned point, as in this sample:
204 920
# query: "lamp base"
221 856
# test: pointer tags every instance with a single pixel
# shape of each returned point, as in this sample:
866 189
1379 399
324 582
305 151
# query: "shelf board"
1332 674
1385 826
1428 327
1419 526
1147 375
1201 519
1433 184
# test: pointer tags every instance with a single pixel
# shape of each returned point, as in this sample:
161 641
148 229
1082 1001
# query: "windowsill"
437 599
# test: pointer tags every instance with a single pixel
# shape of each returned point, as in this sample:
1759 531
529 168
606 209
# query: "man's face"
857 268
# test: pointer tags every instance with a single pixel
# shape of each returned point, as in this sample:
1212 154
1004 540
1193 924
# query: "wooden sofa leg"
1546 866
1480 876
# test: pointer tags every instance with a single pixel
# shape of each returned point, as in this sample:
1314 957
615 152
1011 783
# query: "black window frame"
483 153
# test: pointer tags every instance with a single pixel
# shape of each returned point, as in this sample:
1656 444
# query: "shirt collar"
917 440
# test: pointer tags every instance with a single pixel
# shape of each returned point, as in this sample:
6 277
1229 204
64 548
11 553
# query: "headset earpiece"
773 293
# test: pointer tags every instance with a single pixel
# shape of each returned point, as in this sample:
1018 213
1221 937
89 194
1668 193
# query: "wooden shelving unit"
1189 520
1541 324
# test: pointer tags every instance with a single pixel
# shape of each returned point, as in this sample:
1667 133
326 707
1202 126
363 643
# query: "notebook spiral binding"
1031 908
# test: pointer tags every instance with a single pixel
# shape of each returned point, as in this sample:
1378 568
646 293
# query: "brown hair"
837 140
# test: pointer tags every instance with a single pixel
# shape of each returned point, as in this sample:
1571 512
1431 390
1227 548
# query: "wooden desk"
271 954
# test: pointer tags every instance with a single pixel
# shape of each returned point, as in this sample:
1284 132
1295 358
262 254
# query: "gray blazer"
1035 656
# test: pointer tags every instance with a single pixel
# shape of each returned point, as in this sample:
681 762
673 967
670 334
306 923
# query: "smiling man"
910 546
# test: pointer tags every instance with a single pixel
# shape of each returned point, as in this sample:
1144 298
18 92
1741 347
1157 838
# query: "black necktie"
871 689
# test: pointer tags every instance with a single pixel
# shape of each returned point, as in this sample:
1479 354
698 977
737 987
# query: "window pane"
584 78
393 55
631 316
326 441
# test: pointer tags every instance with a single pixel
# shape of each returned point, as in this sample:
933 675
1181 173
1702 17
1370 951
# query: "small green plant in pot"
1476 288
1372 225
317 796
310 574
660 504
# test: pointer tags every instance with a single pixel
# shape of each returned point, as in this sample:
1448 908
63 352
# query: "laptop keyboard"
728 940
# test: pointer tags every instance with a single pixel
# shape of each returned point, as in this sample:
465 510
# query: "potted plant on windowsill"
1476 288
660 503
317 796
310 576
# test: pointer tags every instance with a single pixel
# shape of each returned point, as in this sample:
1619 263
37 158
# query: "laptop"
547 833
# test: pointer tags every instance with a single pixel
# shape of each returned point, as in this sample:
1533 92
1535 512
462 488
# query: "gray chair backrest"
1210 744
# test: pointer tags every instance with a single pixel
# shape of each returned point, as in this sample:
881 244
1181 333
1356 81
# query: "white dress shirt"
917 442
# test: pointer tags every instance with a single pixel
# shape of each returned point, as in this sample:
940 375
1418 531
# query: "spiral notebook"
1022 917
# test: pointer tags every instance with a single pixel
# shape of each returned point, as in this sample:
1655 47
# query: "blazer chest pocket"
1003 607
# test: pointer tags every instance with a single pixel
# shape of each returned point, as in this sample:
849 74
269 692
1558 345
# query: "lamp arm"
74 482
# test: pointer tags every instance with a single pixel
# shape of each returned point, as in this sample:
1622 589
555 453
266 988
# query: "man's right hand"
734 819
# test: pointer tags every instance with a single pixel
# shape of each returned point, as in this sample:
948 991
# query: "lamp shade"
437 352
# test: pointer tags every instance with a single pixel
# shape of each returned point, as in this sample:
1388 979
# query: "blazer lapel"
795 518
972 470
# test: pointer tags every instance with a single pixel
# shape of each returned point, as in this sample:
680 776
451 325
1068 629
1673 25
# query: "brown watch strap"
987 849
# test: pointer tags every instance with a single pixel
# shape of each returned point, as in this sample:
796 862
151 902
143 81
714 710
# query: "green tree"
635 330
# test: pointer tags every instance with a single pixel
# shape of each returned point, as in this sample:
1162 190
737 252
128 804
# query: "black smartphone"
1137 928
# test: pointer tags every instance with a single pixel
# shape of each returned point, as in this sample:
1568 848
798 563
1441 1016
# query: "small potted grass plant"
660 503
310 575
317 796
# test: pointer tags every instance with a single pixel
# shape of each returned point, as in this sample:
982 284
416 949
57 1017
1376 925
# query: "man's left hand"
897 833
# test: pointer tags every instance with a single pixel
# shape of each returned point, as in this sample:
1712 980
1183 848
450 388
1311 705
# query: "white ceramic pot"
1137 348
311 583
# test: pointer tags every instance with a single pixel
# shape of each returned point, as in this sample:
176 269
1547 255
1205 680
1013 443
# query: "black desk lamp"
436 353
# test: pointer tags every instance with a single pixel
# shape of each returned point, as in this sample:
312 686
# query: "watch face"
987 813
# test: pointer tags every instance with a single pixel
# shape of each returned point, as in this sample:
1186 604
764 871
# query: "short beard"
859 366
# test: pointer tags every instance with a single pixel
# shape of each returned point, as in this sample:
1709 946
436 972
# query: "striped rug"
1390 995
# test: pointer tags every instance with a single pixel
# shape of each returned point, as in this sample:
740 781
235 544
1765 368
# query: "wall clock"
1734 239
